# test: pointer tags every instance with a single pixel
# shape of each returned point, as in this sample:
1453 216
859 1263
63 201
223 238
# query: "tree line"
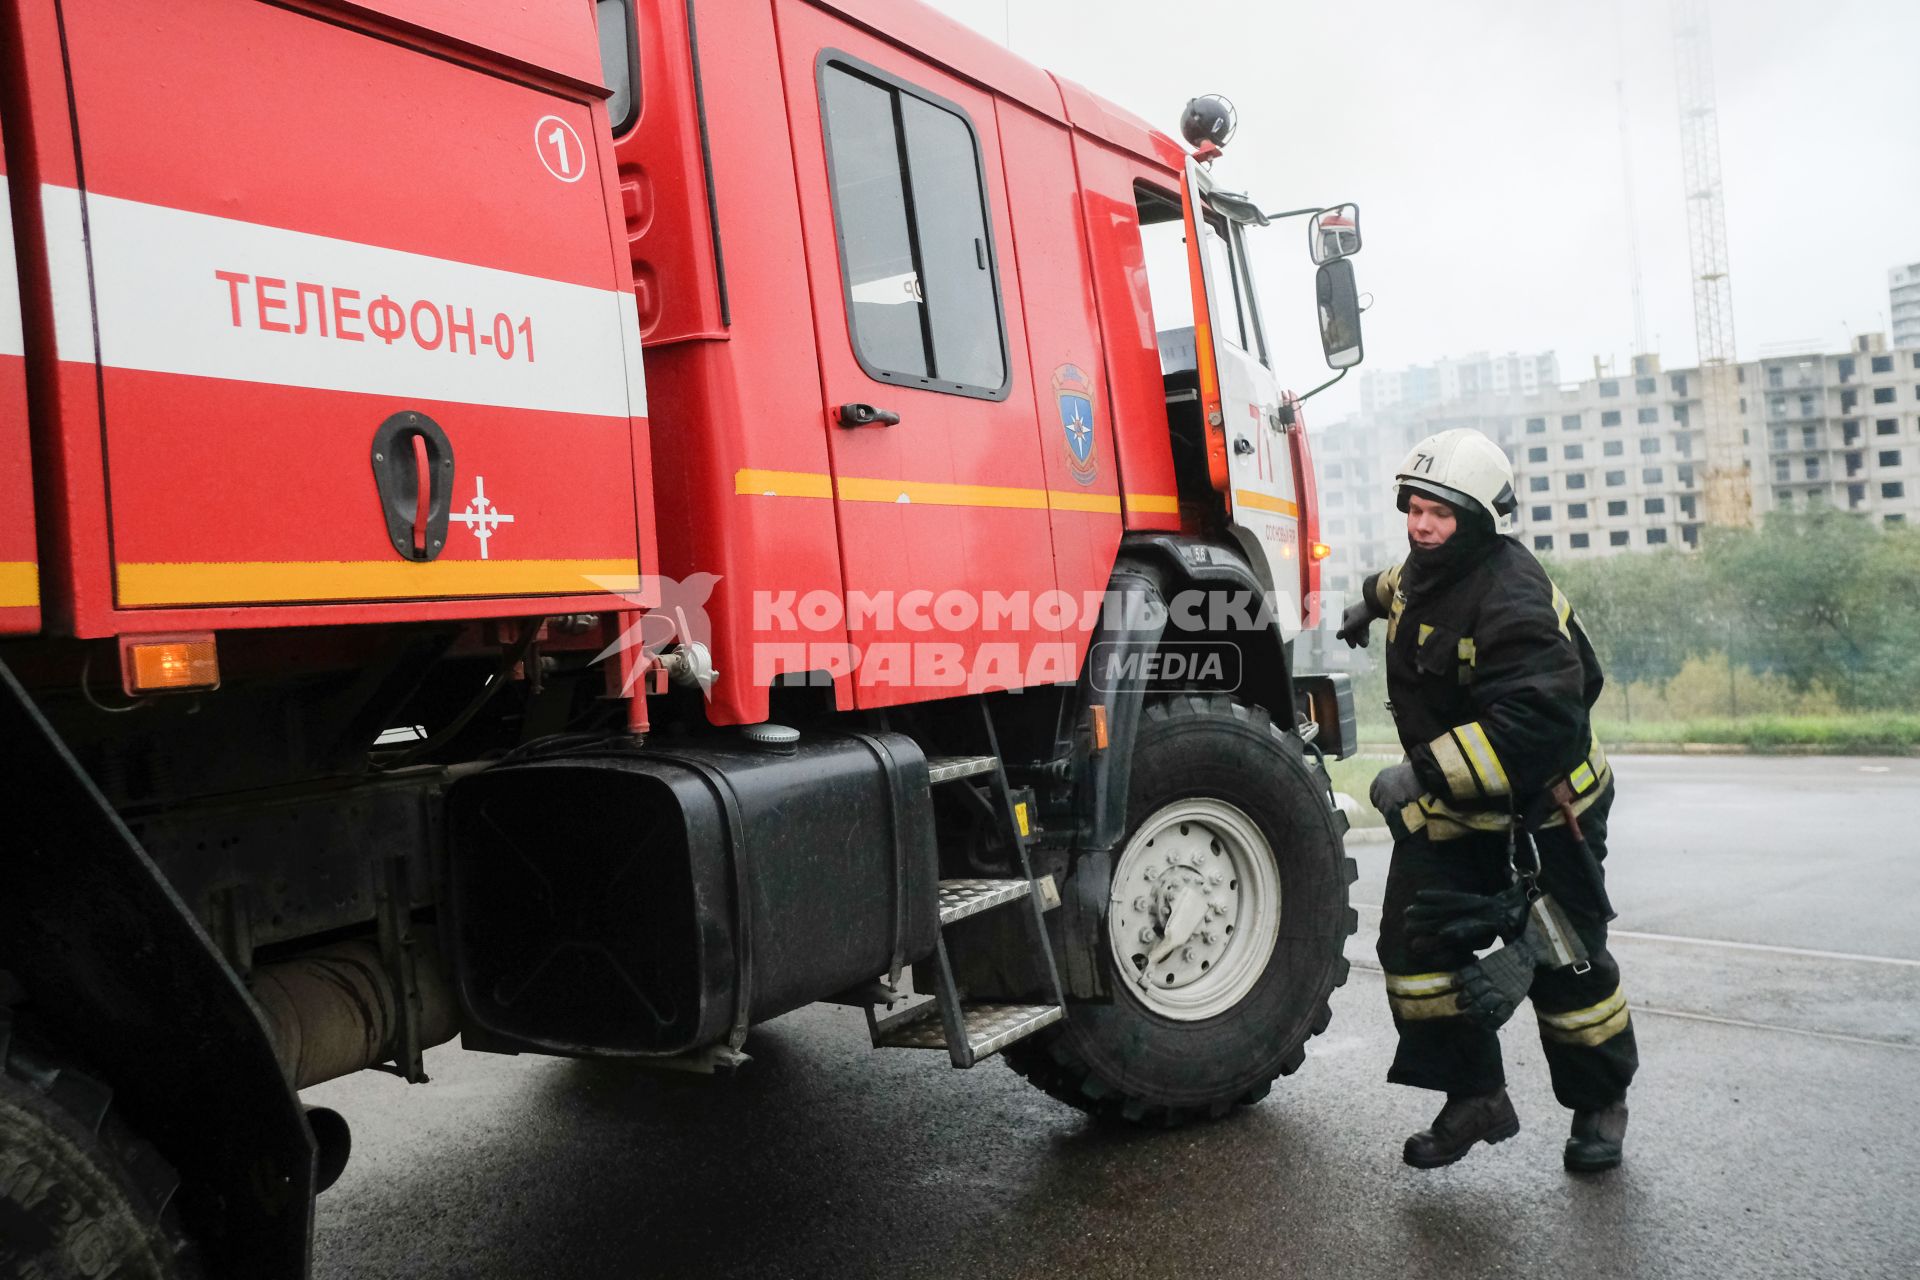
1819 611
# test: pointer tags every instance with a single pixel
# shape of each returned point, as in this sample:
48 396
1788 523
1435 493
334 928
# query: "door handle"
865 415
411 454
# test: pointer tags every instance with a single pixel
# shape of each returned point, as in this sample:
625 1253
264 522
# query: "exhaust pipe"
334 1142
334 1011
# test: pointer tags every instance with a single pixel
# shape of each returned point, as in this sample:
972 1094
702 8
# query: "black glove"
1493 987
1356 625
1443 920
1395 787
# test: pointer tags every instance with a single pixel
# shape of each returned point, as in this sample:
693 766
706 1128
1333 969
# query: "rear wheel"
80 1195
1226 918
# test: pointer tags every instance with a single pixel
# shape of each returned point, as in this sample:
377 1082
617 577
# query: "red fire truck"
587 527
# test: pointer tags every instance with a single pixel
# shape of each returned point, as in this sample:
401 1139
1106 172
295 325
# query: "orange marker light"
1099 728
168 664
1321 551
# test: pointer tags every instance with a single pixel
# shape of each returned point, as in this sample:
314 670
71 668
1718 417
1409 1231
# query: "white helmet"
1461 468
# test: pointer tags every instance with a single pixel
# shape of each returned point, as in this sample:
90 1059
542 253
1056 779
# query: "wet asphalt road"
1776 1122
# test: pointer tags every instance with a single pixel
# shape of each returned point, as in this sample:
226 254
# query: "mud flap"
119 971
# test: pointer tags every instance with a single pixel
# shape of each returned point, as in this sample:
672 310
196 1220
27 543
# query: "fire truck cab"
945 373
588 530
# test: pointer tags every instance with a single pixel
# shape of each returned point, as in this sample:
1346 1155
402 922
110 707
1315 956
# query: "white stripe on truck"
211 297
12 337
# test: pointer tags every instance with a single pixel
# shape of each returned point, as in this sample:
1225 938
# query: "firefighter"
1502 797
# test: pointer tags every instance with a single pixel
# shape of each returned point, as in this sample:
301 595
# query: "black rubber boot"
1465 1120
1597 1139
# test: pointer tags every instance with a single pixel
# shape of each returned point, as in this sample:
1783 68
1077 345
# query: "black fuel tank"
596 897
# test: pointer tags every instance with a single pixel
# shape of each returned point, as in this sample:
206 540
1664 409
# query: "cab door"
1241 399
939 482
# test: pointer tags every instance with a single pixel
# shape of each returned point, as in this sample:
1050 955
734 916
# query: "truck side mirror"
1334 233
1339 302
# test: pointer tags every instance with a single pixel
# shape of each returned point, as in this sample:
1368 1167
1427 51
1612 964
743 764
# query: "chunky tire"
1145 1057
80 1195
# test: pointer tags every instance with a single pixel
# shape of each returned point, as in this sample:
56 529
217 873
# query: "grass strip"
1868 734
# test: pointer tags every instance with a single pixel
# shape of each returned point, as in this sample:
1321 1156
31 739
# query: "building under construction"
1616 464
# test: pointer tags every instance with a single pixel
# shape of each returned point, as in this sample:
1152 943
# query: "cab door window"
1243 285
916 249
1232 327
1163 246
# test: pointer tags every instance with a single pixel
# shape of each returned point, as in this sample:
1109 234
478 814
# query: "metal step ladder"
970 1031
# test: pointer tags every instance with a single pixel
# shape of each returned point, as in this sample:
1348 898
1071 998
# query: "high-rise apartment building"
1450 381
1843 431
1903 297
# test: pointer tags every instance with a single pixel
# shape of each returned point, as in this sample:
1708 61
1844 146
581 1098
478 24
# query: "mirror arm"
1329 382
1290 213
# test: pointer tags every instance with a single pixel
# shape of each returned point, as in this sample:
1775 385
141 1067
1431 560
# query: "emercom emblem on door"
1075 396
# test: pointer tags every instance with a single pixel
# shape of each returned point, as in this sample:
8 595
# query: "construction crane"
1640 347
1729 485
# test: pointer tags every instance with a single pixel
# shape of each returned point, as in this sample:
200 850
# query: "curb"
1710 749
1766 749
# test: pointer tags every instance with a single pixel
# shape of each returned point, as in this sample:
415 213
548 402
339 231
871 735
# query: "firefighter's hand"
1395 787
1443 920
1356 625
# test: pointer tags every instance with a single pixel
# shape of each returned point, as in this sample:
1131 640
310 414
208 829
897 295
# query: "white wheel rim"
1222 938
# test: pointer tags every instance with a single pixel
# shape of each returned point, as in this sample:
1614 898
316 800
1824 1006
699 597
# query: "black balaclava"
1429 572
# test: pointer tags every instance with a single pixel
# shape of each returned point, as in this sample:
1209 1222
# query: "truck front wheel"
1225 920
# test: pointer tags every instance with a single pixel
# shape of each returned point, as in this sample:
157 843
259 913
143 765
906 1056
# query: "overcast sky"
1482 140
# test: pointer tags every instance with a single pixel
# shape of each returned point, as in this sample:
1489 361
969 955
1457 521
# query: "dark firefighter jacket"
1491 679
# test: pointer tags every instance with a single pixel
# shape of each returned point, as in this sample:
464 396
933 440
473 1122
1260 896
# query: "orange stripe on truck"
1265 502
19 584
279 582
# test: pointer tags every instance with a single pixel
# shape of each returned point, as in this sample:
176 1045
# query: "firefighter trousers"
1584 1023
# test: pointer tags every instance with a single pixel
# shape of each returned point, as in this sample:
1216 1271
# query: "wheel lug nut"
1209 937
1140 903
1186 954
1215 878
1146 935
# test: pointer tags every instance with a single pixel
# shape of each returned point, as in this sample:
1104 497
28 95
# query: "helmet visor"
1460 502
